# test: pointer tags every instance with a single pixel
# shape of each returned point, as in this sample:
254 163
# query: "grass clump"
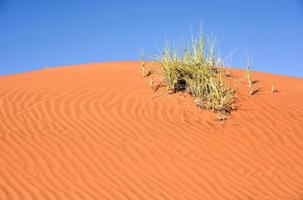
145 72
143 68
194 68
249 78
273 88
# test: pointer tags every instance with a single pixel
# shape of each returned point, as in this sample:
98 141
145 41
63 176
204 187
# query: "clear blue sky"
39 33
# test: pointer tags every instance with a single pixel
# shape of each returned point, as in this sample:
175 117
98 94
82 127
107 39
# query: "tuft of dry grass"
143 68
194 68
197 69
145 72
249 77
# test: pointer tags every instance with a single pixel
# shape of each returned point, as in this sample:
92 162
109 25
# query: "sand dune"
98 131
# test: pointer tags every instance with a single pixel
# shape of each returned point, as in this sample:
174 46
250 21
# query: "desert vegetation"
196 68
250 80
273 88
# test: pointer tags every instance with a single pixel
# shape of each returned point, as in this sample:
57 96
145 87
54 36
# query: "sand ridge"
98 131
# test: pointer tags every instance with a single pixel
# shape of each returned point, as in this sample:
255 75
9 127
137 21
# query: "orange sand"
97 131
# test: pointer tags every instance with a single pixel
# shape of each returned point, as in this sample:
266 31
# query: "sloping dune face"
98 131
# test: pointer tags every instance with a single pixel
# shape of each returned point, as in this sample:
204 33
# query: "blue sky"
39 33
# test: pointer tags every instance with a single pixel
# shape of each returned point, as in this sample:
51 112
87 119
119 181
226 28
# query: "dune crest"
98 131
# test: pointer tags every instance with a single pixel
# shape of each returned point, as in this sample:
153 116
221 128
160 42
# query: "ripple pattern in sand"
97 132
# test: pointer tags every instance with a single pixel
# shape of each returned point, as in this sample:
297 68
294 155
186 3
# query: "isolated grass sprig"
249 77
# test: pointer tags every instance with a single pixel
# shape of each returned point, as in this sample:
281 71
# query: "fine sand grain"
98 131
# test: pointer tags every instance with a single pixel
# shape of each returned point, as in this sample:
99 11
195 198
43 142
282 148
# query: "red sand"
98 131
